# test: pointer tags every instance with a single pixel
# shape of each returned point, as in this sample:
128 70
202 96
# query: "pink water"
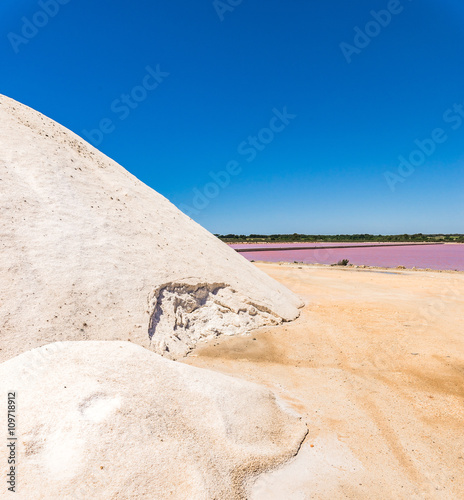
445 257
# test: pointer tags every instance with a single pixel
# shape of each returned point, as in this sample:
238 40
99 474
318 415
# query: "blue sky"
202 130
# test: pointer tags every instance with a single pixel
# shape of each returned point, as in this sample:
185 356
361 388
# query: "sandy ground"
375 366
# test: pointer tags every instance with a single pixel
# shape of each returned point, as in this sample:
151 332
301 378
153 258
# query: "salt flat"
375 365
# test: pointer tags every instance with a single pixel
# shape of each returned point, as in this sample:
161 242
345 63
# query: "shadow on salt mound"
111 419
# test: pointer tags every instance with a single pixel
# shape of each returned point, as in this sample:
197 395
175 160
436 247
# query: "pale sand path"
375 364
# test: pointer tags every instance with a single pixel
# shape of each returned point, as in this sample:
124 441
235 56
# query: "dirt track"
375 367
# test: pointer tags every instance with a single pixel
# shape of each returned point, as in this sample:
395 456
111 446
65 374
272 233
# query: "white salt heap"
88 252
91 254
107 420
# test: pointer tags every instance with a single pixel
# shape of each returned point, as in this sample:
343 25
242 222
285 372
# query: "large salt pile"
88 252
112 420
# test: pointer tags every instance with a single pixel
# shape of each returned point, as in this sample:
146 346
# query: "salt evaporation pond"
439 257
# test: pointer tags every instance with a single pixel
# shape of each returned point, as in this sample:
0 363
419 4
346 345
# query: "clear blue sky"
323 171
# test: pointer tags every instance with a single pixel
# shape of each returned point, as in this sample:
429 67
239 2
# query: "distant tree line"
296 237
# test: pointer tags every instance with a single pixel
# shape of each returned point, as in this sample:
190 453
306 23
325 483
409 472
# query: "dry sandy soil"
375 365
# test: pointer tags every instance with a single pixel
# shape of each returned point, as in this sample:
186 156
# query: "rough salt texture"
85 248
111 420
181 315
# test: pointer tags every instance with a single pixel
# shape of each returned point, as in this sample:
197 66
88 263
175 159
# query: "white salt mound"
88 252
112 420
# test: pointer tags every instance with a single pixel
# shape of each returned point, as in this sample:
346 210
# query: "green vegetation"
345 238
